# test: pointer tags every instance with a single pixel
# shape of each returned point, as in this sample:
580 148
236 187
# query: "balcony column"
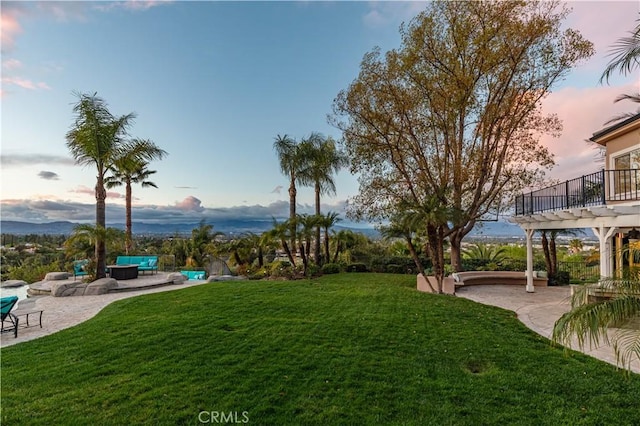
529 273
604 235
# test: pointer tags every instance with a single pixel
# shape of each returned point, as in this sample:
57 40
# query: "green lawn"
344 349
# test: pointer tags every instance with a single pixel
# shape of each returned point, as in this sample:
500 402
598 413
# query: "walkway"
538 311
64 312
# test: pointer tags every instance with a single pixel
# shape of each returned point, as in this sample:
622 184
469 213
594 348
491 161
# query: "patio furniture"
6 305
194 275
123 272
79 268
27 314
144 263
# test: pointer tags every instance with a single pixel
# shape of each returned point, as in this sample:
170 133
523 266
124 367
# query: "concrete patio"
538 311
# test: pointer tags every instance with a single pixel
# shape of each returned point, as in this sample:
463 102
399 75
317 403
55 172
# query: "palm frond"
625 55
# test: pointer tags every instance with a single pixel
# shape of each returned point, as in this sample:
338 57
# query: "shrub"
395 269
560 278
330 268
282 269
357 267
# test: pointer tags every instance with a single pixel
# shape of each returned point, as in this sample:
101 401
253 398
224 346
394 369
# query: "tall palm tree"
290 159
131 167
96 138
625 58
322 160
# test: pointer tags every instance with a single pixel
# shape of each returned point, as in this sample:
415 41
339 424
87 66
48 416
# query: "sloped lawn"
344 349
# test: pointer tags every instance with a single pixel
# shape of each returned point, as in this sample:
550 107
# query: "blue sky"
213 83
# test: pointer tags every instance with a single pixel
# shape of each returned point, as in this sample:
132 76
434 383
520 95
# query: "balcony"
596 189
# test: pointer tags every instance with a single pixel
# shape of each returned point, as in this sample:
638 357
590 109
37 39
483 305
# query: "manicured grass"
344 349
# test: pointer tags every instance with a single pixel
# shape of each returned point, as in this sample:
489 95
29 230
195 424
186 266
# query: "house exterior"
606 201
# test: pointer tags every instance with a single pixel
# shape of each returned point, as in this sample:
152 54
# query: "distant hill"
229 227
499 229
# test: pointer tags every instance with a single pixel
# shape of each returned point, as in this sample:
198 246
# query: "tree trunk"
547 255
316 249
128 238
260 257
414 255
292 212
327 255
305 260
456 251
101 249
553 255
436 248
337 252
286 249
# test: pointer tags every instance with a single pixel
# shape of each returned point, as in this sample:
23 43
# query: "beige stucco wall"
622 143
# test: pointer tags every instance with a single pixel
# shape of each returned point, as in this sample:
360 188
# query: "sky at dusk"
213 83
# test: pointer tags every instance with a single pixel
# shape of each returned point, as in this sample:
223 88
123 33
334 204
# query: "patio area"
538 311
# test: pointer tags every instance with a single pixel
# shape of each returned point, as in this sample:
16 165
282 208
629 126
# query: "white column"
529 273
604 235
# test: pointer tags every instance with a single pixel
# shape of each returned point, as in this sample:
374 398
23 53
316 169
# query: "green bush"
282 269
560 278
330 268
395 269
357 267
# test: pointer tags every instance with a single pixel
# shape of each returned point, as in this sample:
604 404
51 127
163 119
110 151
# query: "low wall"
496 278
448 286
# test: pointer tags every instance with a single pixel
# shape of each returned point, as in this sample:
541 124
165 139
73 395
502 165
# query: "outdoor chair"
6 305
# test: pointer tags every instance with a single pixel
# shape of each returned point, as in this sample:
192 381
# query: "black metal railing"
588 190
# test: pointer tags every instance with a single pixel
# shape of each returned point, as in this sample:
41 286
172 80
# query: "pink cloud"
132 4
583 112
10 26
602 28
11 64
190 203
85 190
25 84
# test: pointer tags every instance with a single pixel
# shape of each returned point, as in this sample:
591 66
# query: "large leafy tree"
290 159
97 138
131 167
321 161
449 123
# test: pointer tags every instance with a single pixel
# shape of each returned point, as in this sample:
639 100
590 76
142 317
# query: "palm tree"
282 232
131 167
485 254
290 159
591 318
96 138
575 245
327 222
82 242
405 226
201 244
625 58
549 248
307 224
322 160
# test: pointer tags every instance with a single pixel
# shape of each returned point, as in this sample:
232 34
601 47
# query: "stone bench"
496 278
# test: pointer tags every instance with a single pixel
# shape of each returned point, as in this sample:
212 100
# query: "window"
627 173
